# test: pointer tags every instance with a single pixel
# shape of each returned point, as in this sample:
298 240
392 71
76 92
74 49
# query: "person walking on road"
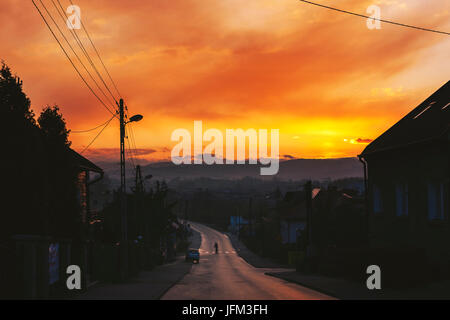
216 246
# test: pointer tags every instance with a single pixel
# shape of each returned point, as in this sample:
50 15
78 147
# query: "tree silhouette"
39 175
24 162
13 101
53 126
62 174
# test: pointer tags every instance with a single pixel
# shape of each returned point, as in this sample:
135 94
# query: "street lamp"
136 118
123 209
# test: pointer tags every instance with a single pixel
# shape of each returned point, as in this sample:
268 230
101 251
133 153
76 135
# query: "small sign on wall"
53 262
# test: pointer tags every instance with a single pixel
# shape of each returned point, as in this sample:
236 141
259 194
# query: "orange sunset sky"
321 77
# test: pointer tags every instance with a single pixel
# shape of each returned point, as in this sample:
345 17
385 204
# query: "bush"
295 257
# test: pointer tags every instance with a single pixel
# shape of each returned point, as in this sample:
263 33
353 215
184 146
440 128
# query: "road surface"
226 276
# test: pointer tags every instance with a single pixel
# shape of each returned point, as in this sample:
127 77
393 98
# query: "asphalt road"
226 276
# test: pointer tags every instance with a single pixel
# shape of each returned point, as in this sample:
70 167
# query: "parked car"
193 255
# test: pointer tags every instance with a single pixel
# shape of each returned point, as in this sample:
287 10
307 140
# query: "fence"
34 267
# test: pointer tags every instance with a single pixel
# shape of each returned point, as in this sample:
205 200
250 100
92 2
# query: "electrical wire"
88 130
83 48
98 54
132 137
70 60
367 17
133 142
130 152
70 46
98 134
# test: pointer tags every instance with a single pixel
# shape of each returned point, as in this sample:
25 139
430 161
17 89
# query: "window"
401 196
436 201
377 200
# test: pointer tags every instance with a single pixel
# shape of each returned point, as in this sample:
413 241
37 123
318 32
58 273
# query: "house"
236 223
292 224
73 251
408 173
292 215
291 212
40 260
85 169
337 219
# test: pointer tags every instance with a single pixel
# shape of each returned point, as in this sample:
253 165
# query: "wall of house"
290 229
236 222
399 198
83 195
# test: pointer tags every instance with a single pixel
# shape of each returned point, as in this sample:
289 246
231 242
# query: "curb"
173 284
238 251
179 279
320 290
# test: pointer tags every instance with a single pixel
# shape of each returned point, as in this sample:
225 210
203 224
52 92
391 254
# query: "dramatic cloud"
359 140
112 154
317 75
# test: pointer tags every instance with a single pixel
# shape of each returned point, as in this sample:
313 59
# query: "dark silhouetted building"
408 171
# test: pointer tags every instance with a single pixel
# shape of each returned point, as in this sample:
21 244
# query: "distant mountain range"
296 169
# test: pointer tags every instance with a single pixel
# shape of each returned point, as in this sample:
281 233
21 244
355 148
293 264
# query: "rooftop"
430 120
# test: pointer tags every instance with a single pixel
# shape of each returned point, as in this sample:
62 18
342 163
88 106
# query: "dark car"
193 255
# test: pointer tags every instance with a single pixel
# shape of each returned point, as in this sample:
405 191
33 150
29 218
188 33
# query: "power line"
88 130
98 54
131 136
133 141
70 46
98 134
130 157
80 44
130 152
68 57
382 20
83 48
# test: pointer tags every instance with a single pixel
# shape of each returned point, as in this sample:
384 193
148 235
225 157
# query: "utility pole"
138 181
123 210
138 191
123 207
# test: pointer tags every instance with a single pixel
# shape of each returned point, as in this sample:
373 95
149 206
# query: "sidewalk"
251 257
344 289
149 285
336 287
